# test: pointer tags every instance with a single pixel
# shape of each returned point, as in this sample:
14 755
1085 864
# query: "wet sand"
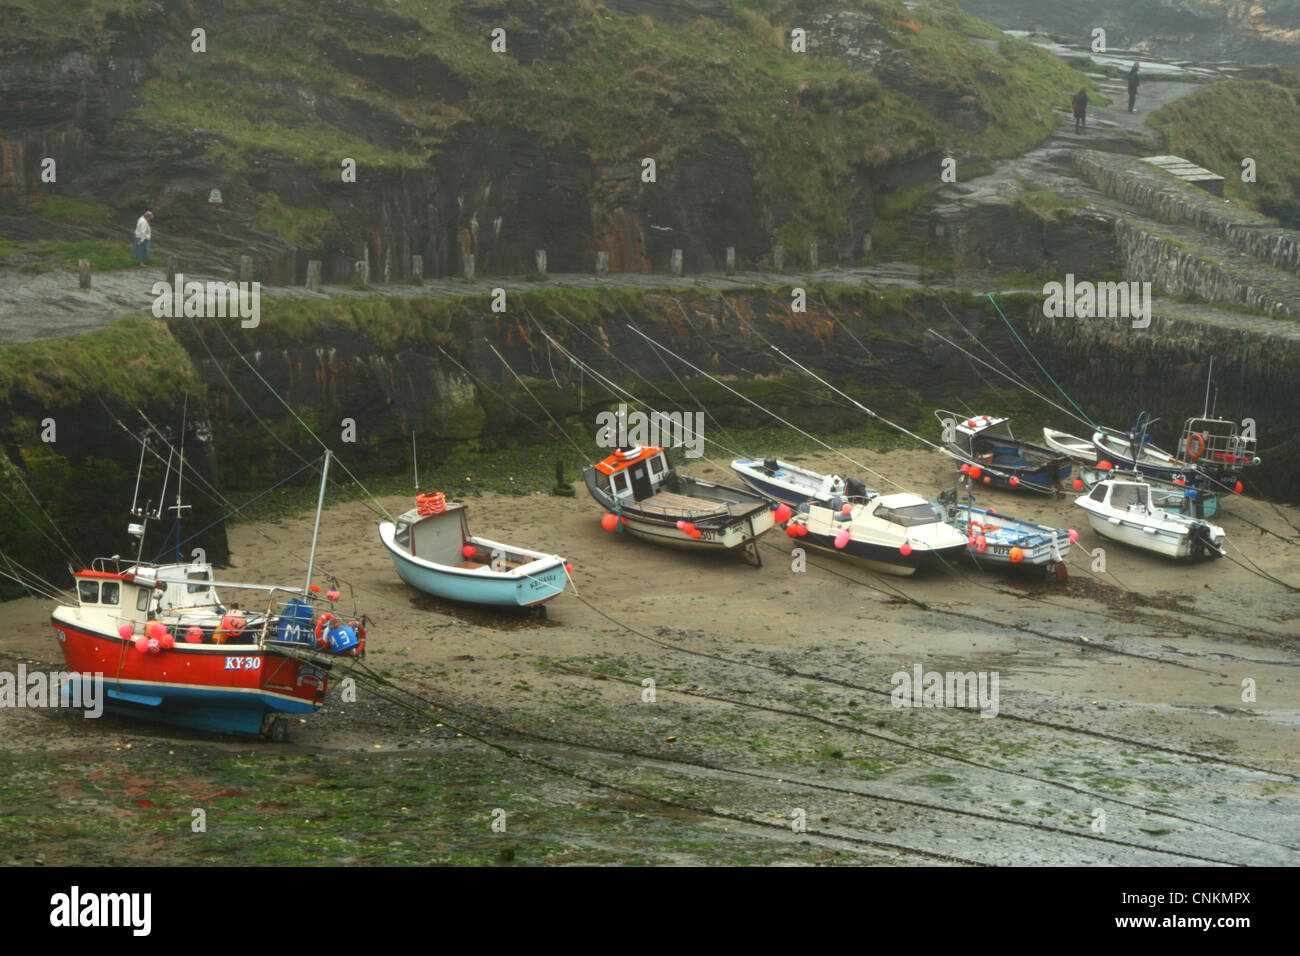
772 695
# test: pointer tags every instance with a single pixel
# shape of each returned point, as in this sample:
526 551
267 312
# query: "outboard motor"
855 488
769 466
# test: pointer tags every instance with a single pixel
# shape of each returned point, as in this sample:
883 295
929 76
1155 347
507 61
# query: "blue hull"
777 492
481 589
200 708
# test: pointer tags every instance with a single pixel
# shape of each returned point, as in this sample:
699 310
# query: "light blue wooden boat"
428 551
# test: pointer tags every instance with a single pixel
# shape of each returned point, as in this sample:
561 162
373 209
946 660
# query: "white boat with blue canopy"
434 552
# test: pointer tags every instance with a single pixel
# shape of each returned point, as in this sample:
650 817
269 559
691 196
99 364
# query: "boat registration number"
243 663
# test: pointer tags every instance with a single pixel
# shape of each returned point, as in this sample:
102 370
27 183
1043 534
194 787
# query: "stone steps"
1137 183
1183 260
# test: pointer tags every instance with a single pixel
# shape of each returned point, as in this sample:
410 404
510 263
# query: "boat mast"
180 479
315 533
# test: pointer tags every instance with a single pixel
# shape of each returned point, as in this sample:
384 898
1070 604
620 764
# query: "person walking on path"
143 239
1080 103
1132 87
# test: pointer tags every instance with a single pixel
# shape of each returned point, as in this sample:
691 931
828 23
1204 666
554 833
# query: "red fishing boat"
167 646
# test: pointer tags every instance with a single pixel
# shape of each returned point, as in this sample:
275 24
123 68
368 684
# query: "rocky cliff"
462 150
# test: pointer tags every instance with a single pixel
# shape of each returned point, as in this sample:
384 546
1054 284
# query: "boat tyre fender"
1195 445
323 625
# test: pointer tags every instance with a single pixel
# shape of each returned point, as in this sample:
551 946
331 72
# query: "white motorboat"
1123 510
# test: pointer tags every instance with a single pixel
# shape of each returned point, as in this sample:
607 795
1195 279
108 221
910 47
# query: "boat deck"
669 503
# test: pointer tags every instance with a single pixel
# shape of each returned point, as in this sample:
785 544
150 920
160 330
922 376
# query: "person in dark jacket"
1080 103
1132 87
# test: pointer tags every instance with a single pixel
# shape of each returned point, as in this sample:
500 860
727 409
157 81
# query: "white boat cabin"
633 474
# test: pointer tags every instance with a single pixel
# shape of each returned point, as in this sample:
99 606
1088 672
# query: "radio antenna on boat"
1205 410
139 471
315 531
415 462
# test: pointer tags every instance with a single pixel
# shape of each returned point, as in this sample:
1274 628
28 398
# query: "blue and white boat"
434 552
792 485
994 538
987 446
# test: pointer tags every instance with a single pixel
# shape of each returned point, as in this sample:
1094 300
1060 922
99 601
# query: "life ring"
970 531
322 632
1195 445
431 504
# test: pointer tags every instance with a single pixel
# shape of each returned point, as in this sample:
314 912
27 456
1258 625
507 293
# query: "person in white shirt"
143 239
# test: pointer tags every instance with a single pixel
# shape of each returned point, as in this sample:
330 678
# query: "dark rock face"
858 39
673 11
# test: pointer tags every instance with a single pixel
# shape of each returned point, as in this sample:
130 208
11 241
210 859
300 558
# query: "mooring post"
812 256
245 268
602 263
362 269
675 262
417 267
469 265
778 258
731 258
539 260
83 273
313 275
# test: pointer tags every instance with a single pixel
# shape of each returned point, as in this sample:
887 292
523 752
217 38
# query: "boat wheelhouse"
649 499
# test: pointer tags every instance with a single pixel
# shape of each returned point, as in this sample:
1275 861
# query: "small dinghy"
434 552
998 457
1072 446
644 496
1123 511
993 538
895 533
793 485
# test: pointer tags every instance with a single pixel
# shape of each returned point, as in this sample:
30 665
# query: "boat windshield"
909 515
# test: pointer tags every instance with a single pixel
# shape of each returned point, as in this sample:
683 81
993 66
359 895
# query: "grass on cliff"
133 359
619 88
1219 126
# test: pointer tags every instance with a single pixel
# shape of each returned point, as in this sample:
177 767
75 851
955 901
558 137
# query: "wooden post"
388 265
778 258
174 268
362 271
731 258
812 256
245 268
469 265
83 273
675 262
417 267
539 260
313 274
602 263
